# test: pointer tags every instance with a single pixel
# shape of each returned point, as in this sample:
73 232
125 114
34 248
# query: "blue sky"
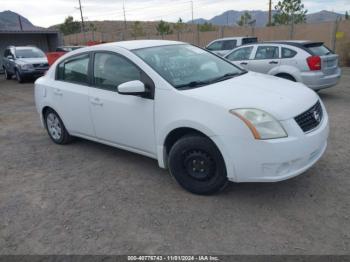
48 12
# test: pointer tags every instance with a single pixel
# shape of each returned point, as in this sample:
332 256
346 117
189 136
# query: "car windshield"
29 53
187 66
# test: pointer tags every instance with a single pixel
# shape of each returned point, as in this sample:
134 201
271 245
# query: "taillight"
314 63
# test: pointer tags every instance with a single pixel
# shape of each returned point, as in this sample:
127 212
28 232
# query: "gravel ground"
87 198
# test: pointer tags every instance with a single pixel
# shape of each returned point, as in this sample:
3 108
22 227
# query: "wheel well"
176 134
45 109
286 75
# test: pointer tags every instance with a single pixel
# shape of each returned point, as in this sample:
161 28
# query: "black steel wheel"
197 165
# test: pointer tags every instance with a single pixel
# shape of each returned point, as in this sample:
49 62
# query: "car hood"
41 60
281 98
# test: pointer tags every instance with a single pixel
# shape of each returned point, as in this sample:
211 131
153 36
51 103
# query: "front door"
124 120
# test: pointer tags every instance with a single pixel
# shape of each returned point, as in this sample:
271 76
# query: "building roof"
39 31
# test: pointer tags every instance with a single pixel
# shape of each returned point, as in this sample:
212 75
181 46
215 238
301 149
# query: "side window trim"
72 58
274 46
151 85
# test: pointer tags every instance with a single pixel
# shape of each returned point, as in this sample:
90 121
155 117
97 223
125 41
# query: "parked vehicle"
224 45
202 117
311 63
24 62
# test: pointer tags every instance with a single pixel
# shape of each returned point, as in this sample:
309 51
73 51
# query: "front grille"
43 65
311 118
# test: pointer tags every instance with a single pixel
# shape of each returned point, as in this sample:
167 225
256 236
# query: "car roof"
139 44
233 38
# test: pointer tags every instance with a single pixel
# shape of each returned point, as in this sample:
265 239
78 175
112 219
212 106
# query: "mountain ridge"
231 17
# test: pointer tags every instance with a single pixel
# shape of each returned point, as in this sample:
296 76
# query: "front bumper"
33 73
318 80
250 160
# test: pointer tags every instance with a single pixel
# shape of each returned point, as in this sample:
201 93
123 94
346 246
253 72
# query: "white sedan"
205 119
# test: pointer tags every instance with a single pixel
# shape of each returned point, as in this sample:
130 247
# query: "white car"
205 119
223 46
310 63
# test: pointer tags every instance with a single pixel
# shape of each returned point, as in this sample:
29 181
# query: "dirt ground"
87 198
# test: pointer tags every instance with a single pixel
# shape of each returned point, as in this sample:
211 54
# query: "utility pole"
82 21
192 11
125 25
20 22
270 12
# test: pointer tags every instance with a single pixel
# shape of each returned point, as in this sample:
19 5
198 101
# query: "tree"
245 19
137 29
163 28
179 26
347 15
92 27
289 11
206 27
70 26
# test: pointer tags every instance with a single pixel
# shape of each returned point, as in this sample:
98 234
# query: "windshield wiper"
194 84
210 81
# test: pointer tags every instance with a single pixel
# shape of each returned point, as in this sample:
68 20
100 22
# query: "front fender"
163 134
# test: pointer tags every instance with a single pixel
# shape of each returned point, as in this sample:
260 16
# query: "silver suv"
24 62
311 63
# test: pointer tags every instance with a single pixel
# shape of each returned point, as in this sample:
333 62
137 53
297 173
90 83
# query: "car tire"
197 165
7 75
19 77
286 76
56 129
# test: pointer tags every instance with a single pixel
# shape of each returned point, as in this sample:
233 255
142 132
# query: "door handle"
244 63
273 63
58 92
96 101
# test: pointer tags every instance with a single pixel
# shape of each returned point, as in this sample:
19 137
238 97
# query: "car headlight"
260 123
26 67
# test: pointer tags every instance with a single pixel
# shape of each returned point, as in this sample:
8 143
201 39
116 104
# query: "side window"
267 52
6 53
288 53
240 54
229 44
74 70
112 70
250 40
216 46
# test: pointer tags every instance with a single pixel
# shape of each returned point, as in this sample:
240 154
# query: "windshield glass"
187 66
29 53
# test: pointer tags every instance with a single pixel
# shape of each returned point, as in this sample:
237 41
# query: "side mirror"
132 88
10 57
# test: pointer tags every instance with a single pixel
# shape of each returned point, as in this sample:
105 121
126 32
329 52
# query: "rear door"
265 59
70 94
329 60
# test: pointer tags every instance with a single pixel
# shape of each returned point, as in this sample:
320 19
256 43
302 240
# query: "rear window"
318 49
250 40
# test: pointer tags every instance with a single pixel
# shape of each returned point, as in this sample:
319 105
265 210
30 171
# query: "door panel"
71 100
265 59
125 120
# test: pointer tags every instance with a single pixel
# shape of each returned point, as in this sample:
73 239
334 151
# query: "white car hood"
281 98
